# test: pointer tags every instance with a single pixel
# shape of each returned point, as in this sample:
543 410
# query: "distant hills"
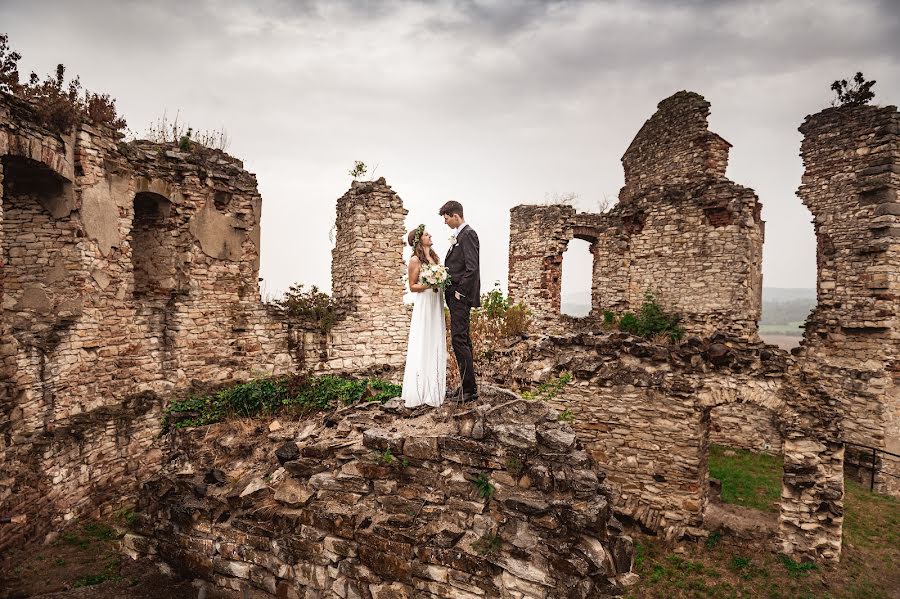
783 294
784 308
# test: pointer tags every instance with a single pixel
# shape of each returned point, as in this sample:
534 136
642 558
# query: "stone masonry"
648 412
643 409
130 275
682 230
130 272
367 277
851 344
384 503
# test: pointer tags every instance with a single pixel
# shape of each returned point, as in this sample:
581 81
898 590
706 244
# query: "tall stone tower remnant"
682 231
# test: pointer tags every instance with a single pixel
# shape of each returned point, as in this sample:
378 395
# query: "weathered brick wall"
682 230
851 344
352 509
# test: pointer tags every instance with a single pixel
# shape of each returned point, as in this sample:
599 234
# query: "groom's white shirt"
459 229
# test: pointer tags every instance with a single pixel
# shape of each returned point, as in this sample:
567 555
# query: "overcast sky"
490 103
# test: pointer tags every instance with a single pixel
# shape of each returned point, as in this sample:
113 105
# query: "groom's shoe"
470 397
453 394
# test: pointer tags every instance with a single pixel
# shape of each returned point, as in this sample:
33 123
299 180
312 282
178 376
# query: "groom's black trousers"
460 314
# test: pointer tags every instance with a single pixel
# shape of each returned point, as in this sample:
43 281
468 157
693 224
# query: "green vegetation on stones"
488 543
514 466
268 396
359 169
110 572
566 416
87 534
549 389
483 485
796 568
310 306
855 92
386 457
651 321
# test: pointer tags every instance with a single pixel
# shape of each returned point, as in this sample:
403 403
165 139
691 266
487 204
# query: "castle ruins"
130 276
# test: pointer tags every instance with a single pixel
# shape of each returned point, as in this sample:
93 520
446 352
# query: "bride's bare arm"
415 267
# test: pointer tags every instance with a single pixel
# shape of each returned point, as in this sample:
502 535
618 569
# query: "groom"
463 294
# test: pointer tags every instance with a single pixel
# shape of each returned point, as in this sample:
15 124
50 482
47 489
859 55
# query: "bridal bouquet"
435 276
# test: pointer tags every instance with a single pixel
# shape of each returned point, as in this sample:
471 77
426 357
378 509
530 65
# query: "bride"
425 377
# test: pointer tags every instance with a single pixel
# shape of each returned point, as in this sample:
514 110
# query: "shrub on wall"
650 322
855 92
60 105
310 306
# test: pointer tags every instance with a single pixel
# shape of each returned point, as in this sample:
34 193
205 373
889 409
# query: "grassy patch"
727 567
110 572
272 395
871 521
87 534
749 479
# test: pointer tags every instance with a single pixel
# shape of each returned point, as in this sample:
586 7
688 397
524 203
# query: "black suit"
462 263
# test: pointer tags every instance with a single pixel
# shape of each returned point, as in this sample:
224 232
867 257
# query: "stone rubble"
385 502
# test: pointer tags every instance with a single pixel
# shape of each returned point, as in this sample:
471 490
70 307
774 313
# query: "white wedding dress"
425 377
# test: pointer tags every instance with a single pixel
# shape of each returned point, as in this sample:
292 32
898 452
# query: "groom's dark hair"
452 207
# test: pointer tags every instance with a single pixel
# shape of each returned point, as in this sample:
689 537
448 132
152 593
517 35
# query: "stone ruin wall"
745 426
367 276
316 510
643 411
681 230
130 273
96 335
851 343
648 413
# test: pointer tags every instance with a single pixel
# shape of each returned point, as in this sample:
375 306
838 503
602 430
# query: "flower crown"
418 236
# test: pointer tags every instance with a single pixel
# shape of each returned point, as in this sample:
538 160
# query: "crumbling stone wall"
129 272
643 411
851 345
378 502
681 230
367 272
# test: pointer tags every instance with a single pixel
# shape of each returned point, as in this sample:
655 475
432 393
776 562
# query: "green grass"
871 521
85 535
749 479
271 395
728 567
110 572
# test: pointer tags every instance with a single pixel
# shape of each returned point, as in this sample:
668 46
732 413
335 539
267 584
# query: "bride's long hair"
419 249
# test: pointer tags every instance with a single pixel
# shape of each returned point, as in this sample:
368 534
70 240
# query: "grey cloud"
494 103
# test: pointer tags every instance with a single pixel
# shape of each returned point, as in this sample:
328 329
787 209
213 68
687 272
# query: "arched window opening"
37 241
577 276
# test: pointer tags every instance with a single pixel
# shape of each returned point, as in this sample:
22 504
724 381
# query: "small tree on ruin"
359 169
856 92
